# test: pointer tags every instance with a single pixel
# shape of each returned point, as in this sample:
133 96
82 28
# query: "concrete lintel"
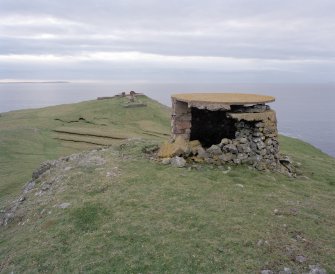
209 106
265 116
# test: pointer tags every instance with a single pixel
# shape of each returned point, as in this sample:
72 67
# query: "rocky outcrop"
41 184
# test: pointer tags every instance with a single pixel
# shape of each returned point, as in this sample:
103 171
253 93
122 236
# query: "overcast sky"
168 40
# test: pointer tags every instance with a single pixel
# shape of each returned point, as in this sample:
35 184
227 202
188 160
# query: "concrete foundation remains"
223 128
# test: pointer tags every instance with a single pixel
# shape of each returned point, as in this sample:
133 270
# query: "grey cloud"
286 29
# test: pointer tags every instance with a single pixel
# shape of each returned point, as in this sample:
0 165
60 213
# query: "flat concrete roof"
223 98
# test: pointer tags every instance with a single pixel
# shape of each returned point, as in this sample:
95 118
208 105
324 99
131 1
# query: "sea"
304 111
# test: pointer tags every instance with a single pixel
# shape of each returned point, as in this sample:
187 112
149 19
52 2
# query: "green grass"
88 217
27 137
134 215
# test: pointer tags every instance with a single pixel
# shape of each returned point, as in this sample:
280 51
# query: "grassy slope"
27 137
153 218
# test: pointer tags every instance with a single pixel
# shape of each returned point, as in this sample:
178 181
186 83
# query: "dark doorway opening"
210 127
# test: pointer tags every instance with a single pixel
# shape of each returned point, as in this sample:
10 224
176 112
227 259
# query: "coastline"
35 82
298 115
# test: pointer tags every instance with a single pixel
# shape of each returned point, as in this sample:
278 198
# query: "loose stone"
225 141
178 161
316 269
64 205
166 161
230 148
214 150
286 271
266 271
226 157
300 259
243 140
202 153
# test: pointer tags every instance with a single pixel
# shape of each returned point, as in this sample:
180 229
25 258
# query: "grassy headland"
28 137
116 210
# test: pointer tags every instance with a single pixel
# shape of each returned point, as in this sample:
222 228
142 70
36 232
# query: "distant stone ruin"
224 128
132 102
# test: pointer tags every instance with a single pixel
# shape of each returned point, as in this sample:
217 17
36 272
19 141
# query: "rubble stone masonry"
254 141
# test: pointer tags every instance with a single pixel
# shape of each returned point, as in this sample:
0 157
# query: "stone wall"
255 139
180 120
